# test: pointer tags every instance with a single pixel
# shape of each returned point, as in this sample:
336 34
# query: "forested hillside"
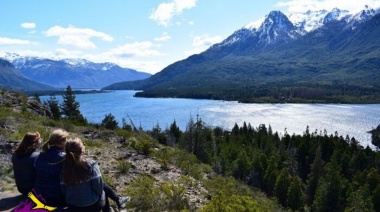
12 79
315 171
333 63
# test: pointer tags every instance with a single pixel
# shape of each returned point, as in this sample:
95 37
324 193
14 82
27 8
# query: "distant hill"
12 79
78 73
315 56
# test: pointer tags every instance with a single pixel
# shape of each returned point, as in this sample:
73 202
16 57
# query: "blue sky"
146 35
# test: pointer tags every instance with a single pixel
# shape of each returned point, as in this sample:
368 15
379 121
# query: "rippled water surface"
352 119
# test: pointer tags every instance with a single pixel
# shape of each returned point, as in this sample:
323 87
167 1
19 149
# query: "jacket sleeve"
63 186
96 181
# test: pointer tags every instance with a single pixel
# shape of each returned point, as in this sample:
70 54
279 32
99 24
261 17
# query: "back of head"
29 143
57 138
76 168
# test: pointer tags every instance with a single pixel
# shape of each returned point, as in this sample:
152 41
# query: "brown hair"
57 137
75 166
28 144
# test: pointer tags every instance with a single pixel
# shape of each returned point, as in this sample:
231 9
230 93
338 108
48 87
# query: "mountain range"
78 73
317 55
12 79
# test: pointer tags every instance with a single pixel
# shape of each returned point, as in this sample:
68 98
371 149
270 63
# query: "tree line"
314 171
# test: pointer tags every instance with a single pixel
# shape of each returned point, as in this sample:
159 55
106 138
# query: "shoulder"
92 163
94 168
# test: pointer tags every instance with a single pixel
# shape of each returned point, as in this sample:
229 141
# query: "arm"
96 181
63 186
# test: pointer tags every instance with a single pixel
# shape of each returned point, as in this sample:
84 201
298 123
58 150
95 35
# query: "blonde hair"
29 143
57 137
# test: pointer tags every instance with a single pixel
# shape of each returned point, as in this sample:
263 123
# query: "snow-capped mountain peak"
356 19
276 18
9 56
335 14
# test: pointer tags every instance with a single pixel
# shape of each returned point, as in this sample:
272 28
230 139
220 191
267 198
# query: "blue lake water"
354 120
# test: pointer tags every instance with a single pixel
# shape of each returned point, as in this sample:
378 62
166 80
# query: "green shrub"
148 196
144 195
123 166
144 146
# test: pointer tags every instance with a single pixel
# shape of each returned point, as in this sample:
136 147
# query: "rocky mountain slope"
286 57
106 147
12 79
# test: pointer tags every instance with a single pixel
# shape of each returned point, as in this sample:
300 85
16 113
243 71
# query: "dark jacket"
24 172
48 167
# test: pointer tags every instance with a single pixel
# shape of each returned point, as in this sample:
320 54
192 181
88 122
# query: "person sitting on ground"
23 159
82 183
48 167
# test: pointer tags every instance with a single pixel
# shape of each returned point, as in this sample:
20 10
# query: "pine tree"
316 172
174 130
53 106
375 135
70 107
282 185
295 194
360 200
109 122
37 97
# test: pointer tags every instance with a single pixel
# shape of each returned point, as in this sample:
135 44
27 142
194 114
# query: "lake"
354 120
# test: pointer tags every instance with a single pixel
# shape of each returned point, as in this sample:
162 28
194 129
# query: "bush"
109 122
143 146
123 166
148 196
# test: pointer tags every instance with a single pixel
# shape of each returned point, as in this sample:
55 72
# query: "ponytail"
75 166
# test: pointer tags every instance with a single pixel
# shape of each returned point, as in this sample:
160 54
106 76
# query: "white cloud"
166 11
206 40
304 5
255 24
201 43
164 37
78 37
64 53
137 49
28 25
12 41
148 65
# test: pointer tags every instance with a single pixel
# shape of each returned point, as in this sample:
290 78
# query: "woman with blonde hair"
23 159
48 167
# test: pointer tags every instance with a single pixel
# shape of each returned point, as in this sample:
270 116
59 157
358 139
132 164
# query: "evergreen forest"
314 171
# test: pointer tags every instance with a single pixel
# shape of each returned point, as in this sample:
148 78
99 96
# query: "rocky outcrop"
20 102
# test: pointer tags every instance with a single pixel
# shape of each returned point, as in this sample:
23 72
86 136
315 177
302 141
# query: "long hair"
57 137
75 167
28 144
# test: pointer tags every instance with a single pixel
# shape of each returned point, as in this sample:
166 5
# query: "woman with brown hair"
48 166
82 183
23 159
81 179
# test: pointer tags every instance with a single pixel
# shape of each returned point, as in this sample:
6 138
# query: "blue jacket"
87 192
24 172
48 166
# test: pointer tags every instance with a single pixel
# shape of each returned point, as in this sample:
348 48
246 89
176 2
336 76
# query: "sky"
145 35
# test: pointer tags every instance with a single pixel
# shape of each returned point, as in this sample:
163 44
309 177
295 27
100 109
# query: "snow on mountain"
276 26
357 19
279 27
33 62
311 20
79 73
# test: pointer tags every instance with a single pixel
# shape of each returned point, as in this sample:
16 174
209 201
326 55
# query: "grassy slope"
120 161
